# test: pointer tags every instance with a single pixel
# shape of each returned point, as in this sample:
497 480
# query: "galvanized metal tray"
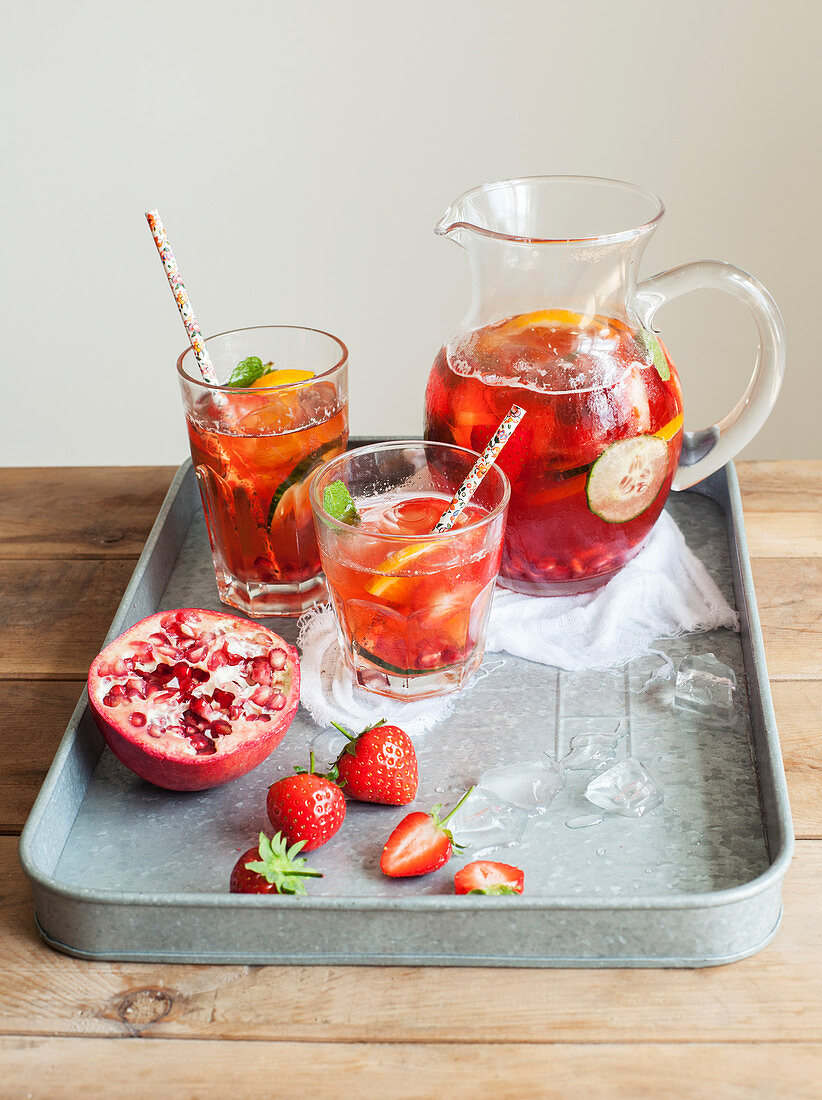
122 870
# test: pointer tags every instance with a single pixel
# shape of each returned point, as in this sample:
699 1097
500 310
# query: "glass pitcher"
559 324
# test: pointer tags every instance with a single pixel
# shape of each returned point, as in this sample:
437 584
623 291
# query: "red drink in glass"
411 606
254 450
592 461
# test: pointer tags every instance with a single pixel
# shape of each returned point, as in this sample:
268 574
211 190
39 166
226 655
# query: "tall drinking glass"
254 448
411 606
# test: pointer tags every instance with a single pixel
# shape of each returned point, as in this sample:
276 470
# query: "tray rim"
772 876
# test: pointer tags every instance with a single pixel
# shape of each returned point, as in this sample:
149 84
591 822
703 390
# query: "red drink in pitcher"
592 461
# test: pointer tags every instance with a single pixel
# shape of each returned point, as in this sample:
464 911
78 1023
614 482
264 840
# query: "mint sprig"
248 371
651 351
340 505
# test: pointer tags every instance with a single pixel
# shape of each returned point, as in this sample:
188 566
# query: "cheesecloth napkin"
665 591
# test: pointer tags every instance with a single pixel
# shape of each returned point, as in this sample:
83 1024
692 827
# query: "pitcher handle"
705 451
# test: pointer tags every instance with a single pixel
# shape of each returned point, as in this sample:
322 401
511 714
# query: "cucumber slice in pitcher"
627 477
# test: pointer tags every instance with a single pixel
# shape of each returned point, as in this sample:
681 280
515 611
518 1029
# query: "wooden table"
68 542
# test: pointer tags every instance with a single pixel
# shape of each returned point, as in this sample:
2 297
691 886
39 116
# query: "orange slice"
669 430
282 378
386 579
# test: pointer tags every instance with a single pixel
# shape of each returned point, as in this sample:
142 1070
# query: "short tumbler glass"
253 449
411 606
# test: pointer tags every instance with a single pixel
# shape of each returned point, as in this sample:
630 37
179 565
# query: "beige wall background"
300 155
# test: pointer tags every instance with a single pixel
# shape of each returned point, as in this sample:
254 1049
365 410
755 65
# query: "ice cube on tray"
625 789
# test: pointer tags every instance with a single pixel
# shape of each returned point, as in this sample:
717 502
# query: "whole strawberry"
306 806
378 765
271 868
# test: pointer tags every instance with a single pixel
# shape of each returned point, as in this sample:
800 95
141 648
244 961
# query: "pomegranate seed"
199 675
170 620
234 713
197 652
262 695
154 730
260 672
110 701
223 699
136 689
137 718
277 703
260 639
217 659
191 718
264 717
203 745
233 658
165 696
104 669
220 728
277 659
185 629
160 639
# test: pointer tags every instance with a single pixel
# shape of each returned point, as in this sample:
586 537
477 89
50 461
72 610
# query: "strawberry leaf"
279 865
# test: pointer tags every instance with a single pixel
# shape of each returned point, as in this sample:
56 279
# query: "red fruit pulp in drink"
407 605
585 383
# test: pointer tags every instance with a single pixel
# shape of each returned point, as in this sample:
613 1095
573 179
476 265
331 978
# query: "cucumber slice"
627 477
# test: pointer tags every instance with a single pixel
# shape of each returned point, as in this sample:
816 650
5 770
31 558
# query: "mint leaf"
339 503
652 352
247 372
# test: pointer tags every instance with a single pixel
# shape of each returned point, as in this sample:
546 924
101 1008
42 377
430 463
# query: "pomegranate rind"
167 762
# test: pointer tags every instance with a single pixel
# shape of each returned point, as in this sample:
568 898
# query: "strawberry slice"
420 843
486 877
378 765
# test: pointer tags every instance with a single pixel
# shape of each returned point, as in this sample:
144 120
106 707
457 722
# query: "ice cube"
705 685
625 789
485 822
591 752
654 668
328 745
531 787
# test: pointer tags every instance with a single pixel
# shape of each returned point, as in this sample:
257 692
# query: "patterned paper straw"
175 281
480 468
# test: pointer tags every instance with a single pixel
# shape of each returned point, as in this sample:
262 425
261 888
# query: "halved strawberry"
378 765
419 844
306 806
486 877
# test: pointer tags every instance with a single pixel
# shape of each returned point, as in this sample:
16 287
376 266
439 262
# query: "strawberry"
306 806
378 765
486 877
419 844
271 868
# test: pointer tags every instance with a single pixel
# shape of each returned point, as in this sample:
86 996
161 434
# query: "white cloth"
665 591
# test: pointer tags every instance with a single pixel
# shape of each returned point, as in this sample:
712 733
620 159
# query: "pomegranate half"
190 699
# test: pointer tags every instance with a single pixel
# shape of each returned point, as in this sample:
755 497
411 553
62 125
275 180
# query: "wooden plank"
790 610
79 512
784 535
773 994
781 486
35 716
55 615
798 707
97 1067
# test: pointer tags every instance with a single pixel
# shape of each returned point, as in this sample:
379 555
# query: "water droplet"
584 822
600 851
439 790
